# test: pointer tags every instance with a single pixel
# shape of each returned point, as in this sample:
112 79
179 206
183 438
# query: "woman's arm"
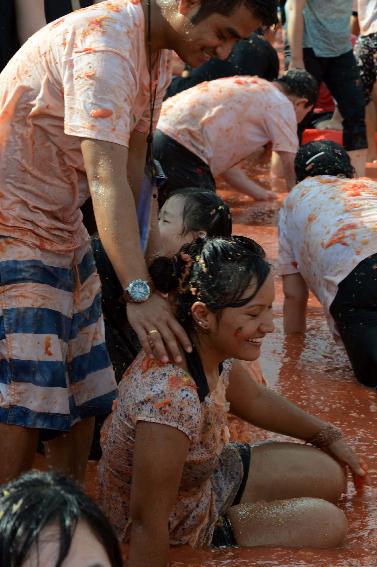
266 409
159 455
30 16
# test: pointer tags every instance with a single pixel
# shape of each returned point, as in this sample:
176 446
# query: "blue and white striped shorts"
54 365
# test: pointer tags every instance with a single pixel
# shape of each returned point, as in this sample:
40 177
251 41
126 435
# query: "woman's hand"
345 455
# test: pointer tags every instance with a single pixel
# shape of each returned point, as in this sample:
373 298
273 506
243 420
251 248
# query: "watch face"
139 290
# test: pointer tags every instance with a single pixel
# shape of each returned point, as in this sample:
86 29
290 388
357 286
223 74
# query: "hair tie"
314 157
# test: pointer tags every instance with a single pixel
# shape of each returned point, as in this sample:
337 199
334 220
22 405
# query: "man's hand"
157 328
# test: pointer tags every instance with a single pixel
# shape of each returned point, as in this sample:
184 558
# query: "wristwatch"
137 291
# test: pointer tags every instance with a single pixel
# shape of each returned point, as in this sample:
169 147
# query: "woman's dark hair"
216 271
263 10
204 210
323 157
299 82
36 500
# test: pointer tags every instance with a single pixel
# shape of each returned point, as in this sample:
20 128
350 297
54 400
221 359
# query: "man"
74 106
320 40
208 129
327 243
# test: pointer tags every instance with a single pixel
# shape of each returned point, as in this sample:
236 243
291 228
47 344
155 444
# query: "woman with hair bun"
169 474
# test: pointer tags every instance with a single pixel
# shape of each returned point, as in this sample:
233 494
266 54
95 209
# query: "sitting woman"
168 473
47 521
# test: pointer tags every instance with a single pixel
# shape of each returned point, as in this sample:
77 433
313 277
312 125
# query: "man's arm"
287 161
239 180
296 33
115 212
30 15
295 302
137 152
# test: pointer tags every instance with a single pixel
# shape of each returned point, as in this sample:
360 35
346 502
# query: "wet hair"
299 82
204 210
263 10
216 271
323 157
36 500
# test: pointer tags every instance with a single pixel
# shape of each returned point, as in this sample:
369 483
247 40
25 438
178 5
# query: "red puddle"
313 372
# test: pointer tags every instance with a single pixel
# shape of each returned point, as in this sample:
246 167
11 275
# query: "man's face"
214 36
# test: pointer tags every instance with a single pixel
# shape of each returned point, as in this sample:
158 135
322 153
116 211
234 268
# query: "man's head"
302 90
322 158
202 29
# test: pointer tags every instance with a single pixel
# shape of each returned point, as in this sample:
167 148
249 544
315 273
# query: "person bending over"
209 129
213 492
327 243
47 521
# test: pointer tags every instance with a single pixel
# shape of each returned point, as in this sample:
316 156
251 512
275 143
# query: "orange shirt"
82 76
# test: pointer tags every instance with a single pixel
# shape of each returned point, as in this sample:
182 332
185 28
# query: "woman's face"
85 550
240 331
171 226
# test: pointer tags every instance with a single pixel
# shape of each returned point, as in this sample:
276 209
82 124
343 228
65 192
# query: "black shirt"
253 56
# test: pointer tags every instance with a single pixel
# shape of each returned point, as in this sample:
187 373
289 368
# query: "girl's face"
172 236
85 551
240 331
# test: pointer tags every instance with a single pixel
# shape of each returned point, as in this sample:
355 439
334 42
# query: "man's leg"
355 312
343 80
69 452
366 58
17 449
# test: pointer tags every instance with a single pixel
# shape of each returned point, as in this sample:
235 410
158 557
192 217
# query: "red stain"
48 345
101 113
237 332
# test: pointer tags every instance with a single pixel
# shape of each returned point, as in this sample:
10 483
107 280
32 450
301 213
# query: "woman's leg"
287 499
280 471
298 522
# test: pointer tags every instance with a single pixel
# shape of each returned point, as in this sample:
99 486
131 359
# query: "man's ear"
187 6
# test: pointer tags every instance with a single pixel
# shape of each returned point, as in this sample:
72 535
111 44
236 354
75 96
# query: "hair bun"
163 272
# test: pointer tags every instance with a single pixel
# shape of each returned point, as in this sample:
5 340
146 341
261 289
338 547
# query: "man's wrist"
137 291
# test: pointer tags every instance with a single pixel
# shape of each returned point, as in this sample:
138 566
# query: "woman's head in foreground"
323 157
223 290
190 213
47 521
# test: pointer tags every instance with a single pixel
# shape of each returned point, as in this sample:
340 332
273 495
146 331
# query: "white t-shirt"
224 121
367 14
83 76
327 226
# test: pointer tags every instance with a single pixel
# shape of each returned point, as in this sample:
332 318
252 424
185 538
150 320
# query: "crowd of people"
128 306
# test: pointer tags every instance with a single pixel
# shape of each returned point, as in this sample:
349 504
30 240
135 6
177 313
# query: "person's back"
327 226
225 120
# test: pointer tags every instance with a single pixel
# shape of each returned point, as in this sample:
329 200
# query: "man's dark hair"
299 82
263 10
322 157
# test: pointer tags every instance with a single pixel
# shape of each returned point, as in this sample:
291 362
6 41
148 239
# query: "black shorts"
182 168
223 535
354 310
